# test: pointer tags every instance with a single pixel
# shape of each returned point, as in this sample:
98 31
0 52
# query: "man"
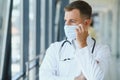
79 57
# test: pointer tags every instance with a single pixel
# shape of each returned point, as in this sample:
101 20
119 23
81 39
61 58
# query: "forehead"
73 14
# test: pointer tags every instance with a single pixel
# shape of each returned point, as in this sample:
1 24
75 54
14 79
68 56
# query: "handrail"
18 76
28 67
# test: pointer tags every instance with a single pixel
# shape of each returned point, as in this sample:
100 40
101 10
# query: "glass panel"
4 14
32 35
32 23
1 33
16 37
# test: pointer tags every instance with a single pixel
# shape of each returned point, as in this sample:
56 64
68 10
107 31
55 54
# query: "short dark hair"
83 7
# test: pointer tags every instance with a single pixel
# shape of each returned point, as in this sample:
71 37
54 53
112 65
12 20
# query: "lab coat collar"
90 41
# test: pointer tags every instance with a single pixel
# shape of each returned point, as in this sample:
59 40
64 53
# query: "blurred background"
28 27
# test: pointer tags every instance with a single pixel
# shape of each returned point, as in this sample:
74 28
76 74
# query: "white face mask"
70 31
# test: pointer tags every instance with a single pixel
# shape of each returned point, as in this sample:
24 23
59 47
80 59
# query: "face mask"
70 31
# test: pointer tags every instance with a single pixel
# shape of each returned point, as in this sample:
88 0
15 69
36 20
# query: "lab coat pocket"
66 67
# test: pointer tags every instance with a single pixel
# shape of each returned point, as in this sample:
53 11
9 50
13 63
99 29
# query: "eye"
72 21
64 20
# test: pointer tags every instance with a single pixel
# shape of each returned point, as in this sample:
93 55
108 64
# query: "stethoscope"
67 41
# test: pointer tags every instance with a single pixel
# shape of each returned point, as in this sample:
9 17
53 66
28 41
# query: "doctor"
78 57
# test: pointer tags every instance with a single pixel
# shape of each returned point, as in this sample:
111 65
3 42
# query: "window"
32 36
4 16
16 37
2 33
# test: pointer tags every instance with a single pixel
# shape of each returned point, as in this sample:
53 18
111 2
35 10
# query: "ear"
87 22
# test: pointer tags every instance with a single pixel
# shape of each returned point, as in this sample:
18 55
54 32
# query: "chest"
69 68
68 64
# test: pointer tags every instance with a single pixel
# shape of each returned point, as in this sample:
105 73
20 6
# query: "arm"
94 68
48 69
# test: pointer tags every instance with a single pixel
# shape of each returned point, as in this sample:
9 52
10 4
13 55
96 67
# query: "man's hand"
82 34
80 77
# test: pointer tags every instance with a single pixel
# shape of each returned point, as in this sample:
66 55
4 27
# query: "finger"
77 33
85 28
82 28
79 29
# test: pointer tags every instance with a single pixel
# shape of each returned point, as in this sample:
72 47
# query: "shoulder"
56 44
101 46
54 47
102 50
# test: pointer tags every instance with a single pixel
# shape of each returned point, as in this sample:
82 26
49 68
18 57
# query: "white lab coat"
81 60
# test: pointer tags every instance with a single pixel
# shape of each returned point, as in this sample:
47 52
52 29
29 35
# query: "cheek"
78 23
74 24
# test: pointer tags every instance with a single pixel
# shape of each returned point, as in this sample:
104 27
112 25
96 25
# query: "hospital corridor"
29 27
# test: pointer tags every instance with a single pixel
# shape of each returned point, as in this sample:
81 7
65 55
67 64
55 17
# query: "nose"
67 22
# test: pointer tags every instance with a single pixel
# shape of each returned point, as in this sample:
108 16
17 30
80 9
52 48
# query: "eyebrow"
72 19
